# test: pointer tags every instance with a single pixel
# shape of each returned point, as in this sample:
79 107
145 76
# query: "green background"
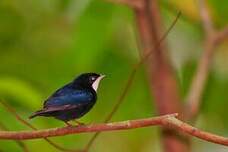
44 44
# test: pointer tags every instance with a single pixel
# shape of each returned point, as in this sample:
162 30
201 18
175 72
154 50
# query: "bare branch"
130 124
162 80
135 4
205 18
26 123
199 80
169 121
18 117
212 40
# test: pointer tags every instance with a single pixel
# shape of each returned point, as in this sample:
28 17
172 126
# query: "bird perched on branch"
73 100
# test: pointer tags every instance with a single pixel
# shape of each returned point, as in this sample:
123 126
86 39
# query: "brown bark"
166 121
212 39
160 74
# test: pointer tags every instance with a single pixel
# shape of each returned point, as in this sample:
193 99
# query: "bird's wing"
75 98
61 107
48 111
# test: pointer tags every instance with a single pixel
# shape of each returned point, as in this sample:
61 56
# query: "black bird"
73 100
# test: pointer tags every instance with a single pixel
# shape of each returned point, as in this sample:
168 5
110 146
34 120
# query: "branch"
169 121
123 125
135 4
162 80
212 40
26 123
205 18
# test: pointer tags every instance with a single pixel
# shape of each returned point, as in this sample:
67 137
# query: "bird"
73 100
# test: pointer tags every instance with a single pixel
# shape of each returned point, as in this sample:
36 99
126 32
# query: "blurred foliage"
47 43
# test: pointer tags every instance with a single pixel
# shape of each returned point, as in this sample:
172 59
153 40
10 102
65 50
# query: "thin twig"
130 79
20 119
169 121
20 143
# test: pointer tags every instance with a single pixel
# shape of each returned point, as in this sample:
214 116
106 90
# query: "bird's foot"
79 123
68 124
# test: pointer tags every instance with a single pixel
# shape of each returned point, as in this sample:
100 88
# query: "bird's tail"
37 113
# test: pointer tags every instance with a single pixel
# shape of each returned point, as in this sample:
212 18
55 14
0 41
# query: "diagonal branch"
169 121
163 82
162 79
205 18
212 40
135 4
26 123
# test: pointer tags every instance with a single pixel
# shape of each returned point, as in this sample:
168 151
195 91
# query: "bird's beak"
102 76
96 83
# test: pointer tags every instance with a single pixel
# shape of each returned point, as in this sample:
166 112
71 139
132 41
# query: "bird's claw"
68 124
79 123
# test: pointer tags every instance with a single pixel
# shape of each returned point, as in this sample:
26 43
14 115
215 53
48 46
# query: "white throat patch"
95 84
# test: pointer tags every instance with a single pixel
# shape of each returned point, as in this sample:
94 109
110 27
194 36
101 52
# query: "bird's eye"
93 78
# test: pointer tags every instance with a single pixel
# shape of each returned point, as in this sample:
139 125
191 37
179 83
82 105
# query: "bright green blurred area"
47 43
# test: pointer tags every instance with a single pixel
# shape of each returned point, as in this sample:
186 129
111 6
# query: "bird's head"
88 80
